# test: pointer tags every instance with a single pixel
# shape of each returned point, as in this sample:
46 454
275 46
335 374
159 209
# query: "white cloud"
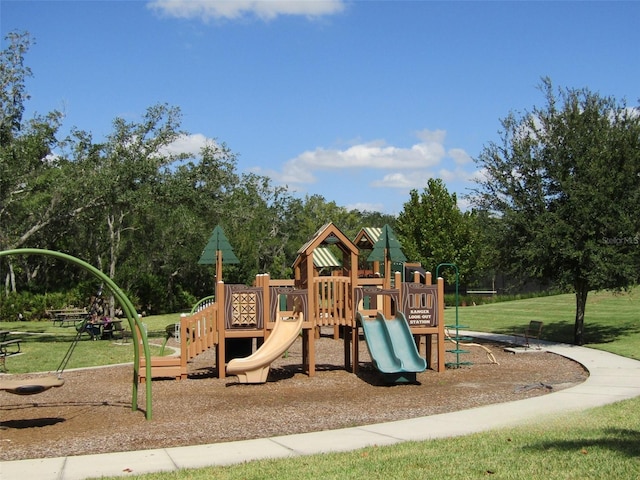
408 167
405 181
479 175
431 136
265 10
464 204
371 155
459 156
366 207
295 174
457 174
191 144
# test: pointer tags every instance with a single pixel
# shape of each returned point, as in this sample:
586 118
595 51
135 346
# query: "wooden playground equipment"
323 301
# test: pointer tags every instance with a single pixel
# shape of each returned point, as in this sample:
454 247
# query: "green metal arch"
128 309
200 302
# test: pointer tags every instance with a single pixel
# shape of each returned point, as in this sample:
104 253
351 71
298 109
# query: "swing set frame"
139 334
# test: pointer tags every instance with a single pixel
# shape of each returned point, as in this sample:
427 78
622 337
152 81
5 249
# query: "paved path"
612 378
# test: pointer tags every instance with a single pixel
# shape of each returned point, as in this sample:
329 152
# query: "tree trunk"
115 235
582 290
10 281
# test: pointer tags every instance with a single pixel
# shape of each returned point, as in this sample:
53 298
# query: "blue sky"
358 101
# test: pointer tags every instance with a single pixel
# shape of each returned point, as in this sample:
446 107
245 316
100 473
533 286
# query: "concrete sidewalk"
612 378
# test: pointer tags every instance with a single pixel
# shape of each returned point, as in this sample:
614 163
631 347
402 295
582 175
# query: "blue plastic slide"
391 344
379 344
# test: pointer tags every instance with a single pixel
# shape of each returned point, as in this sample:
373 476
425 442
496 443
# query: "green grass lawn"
612 320
44 345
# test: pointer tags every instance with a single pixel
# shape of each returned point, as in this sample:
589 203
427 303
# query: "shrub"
35 306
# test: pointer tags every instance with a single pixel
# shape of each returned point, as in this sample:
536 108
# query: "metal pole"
457 325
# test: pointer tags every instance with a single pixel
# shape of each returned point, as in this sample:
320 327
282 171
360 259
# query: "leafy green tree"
315 211
13 75
375 219
34 184
564 182
256 224
130 172
135 210
484 227
122 183
433 230
190 201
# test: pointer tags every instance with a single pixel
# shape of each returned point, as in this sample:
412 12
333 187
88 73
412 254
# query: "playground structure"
274 312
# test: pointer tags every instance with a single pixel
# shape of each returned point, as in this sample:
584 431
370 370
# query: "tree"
190 201
257 224
433 230
123 181
34 189
13 74
564 182
314 211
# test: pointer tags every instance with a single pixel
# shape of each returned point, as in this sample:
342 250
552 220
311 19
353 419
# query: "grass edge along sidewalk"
591 444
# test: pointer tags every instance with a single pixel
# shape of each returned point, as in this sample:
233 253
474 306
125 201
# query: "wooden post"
386 284
183 346
351 330
263 281
218 276
220 360
310 350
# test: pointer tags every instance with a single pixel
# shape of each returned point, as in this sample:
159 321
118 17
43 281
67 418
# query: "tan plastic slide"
255 368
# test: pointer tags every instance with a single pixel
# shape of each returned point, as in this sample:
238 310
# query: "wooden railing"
199 332
332 302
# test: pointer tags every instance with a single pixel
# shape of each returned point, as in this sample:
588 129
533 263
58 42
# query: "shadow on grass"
563 332
624 441
45 338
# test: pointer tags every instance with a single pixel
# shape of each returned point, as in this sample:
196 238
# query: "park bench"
530 332
8 346
4 346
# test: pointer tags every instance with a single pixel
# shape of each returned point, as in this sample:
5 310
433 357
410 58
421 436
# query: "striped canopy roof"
323 257
367 237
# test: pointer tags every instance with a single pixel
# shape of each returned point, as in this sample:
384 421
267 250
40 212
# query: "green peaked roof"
217 242
389 242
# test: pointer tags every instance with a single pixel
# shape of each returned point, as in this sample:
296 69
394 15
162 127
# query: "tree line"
556 202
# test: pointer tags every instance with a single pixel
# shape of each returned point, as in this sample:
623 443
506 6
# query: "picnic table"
5 344
103 328
68 316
